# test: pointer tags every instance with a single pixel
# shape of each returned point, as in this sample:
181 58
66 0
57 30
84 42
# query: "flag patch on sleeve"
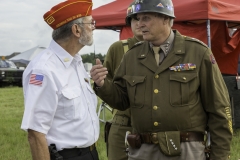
36 79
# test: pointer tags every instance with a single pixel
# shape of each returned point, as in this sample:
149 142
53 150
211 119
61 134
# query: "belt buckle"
154 138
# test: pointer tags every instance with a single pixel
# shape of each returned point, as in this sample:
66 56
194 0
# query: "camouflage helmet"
158 6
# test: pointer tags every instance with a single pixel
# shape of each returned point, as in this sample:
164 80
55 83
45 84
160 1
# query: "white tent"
26 56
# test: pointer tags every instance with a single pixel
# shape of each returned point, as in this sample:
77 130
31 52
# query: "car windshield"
7 64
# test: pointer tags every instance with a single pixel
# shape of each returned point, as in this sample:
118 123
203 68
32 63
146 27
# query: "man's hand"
98 73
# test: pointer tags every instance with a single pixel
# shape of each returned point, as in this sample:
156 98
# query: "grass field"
13 140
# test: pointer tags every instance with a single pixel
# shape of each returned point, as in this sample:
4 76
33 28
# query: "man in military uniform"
121 122
174 89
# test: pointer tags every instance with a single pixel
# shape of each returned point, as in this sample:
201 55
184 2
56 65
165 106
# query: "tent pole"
208 33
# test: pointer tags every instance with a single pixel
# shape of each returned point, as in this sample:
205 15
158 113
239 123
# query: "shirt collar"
165 46
62 54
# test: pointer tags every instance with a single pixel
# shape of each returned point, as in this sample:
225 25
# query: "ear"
76 30
166 20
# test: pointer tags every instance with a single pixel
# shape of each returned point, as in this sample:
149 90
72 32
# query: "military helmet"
129 14
158 6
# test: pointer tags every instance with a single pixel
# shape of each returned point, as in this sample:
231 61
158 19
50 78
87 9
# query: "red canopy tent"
113 14
192 18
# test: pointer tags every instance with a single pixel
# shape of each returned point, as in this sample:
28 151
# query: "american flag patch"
36 79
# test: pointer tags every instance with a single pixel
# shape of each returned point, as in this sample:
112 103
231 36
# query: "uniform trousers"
190 151
116 142
79 154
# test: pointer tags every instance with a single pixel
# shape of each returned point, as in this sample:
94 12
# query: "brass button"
155 107
184 78
156 76
155 90
133 81
155 124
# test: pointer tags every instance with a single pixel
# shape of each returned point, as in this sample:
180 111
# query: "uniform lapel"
147 58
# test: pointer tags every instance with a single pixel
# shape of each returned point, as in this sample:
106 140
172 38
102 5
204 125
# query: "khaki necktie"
159 54
156 53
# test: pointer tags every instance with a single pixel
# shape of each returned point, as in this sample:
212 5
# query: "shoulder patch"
212 59
195 40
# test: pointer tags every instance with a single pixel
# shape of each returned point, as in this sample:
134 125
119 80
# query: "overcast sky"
22 27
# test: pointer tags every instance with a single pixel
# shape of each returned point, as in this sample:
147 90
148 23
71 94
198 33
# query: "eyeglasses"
93 23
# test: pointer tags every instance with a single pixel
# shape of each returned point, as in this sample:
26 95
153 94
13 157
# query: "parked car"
10 74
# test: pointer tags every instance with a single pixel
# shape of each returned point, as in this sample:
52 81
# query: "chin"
146 38
90 43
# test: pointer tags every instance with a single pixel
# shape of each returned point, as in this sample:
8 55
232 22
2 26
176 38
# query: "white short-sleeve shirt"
59 100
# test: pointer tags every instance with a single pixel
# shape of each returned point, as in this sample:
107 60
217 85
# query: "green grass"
13 140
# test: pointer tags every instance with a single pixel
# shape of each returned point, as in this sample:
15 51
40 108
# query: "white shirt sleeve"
40 103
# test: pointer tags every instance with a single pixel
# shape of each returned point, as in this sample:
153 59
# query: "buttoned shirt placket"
78 66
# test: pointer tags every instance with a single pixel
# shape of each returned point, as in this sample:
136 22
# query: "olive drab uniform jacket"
171 97
113 59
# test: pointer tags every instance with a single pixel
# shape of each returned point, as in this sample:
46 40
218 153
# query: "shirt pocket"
136 90
72 103
183 88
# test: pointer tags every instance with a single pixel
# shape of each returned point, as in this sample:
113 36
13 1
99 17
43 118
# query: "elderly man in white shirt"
60 105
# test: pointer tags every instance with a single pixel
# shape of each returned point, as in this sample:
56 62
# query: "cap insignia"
160 5
50 20
138 1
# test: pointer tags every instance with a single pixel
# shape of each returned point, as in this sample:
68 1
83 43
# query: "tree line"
90 58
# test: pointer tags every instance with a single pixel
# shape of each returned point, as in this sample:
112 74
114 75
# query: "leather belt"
75 151
191 136
121 120
151 138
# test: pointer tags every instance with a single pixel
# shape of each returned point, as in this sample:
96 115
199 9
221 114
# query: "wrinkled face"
154 27
86 37
136 29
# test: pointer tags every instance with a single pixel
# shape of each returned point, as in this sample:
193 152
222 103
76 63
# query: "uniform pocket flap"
183 77
169 142
71 93
133 80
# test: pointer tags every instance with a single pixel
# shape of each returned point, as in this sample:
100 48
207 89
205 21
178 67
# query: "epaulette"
137 44
194 40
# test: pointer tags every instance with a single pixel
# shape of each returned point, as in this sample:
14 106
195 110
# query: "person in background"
174 88
121 121
60 105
